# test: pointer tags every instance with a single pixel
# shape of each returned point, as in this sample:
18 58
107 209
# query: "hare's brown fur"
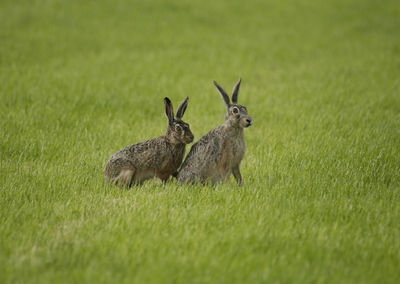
218 154
159 157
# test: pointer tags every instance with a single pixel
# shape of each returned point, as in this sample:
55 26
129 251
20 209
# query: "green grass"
79 80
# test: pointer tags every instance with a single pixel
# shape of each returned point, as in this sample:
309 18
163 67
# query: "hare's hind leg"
163 176
125 177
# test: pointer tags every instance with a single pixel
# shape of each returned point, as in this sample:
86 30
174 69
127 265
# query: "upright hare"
219 153
159 157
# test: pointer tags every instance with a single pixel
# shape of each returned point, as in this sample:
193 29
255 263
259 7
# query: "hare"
219 153
159 157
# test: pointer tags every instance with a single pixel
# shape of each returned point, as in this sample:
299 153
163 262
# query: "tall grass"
79 80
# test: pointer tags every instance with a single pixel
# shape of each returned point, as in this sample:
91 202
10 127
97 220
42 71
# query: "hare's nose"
249 121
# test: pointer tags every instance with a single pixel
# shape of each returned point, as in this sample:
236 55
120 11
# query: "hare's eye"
178 127
235 110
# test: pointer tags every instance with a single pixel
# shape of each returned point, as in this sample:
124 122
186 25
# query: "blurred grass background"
79 80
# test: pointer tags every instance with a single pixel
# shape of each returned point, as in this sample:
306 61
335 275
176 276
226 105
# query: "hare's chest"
238 151
172 160
233 151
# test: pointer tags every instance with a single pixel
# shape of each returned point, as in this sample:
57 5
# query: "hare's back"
139 155
204 155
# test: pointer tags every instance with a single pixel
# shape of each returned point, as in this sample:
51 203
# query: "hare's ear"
182 108
223 93
235 93
169 111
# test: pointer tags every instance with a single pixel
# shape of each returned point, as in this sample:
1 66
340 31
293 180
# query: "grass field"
80 80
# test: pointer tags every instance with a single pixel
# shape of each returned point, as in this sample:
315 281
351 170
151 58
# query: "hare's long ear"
223 93
235 93
182 108
169 111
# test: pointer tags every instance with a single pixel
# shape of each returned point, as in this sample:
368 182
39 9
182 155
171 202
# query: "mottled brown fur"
218 154
159 156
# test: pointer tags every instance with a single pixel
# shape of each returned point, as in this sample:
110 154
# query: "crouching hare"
159 157
219 153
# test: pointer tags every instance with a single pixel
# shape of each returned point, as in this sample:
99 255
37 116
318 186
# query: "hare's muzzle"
249 121
189 139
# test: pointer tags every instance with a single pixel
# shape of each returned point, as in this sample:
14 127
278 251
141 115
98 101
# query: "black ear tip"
167 100
215 83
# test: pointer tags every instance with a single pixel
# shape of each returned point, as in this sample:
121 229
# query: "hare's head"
178 131
236 114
